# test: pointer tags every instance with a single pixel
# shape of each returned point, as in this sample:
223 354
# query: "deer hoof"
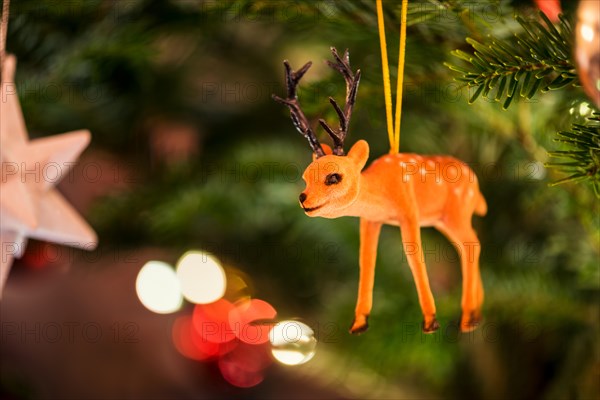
359 325
431 327
471 322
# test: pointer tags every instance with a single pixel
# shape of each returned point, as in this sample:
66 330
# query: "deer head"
333 178
333 182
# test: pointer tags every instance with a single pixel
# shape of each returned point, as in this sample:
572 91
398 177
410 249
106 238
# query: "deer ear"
326 149
360 153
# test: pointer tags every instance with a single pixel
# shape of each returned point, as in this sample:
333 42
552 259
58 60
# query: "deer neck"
371 202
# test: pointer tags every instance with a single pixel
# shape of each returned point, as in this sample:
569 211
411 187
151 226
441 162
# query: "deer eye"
333 179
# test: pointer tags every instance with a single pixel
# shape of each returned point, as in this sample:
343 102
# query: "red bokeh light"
188 342
235 335
244 321
551 8
211 321
244 367
39 255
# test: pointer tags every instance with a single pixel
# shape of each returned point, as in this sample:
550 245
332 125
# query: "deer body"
409 191
405 190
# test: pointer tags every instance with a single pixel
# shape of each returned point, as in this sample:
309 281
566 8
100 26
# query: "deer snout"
302 198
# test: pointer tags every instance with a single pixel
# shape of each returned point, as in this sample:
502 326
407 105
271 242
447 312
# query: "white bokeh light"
587 32
293 342
158 288
201 277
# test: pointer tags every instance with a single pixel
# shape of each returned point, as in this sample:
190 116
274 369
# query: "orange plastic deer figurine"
405 190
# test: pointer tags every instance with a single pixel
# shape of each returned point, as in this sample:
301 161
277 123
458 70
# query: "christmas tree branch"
582 160
539 59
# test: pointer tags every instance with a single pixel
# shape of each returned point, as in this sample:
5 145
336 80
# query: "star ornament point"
30 204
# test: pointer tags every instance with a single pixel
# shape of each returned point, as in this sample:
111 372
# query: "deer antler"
343 66
298 118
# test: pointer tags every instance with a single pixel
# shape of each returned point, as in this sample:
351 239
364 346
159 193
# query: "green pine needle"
537 60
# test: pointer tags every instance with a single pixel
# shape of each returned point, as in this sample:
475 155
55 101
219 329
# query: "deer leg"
472 286
467 244
369 236
411 239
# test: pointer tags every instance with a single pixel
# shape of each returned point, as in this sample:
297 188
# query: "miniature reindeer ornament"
405 190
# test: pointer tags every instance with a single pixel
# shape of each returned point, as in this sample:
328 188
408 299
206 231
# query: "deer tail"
480 205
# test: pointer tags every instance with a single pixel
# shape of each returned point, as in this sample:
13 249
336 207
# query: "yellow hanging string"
393 132
400 86
387 90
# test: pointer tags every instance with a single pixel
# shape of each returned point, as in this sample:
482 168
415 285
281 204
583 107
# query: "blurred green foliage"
120 65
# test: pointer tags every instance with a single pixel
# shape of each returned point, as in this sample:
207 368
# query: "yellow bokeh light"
239 285
158 288
293 342
201 277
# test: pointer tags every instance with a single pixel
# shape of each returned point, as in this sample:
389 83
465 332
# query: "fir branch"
539 59
582 160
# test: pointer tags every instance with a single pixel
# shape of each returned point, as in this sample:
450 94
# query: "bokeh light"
226 325
201 276
189 343
239 285
158 288
244 366
293 342
251 320
211 321
236 375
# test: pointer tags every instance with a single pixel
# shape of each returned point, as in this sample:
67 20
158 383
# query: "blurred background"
189 153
